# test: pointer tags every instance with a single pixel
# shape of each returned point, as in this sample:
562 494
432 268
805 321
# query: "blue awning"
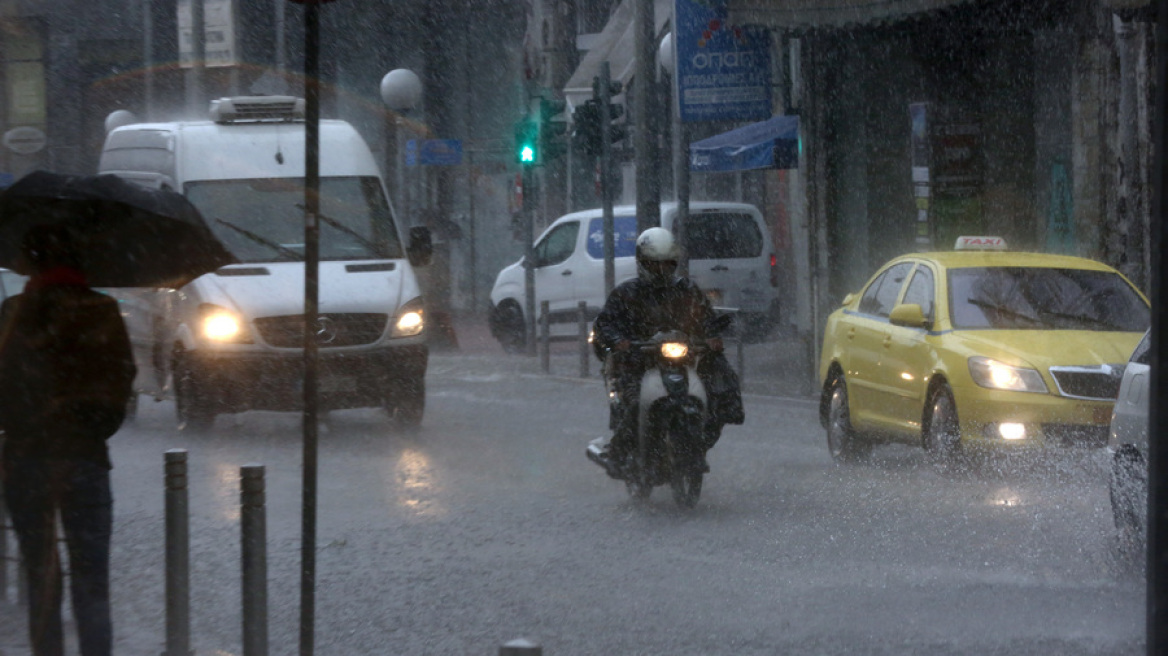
770 144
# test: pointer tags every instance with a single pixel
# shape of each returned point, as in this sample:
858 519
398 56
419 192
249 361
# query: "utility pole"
644 117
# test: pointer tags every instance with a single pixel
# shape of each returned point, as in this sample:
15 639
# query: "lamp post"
401 91
667 59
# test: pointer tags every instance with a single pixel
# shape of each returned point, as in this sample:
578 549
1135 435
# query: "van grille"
1101 383
332 330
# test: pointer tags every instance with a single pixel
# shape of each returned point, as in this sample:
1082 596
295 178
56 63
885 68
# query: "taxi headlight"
674 350
409 320
219 324
997 375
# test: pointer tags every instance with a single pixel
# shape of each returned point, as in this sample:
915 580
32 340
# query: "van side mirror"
421 248
910 315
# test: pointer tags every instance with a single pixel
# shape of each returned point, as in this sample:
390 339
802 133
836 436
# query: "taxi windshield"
1034 298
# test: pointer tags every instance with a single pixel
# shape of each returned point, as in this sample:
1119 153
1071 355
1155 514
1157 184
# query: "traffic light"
586 128
551 132
527 142
602 96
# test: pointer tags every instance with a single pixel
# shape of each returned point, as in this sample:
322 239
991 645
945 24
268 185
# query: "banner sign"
723 70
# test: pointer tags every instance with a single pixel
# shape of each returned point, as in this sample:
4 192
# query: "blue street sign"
441 152
411 153
723 70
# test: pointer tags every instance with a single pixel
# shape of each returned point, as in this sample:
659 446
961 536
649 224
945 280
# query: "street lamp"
667 60
401 91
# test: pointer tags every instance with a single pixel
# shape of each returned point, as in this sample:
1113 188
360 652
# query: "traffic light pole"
529 256
605 88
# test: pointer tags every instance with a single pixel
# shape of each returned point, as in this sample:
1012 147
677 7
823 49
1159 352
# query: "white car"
731 257
1128 445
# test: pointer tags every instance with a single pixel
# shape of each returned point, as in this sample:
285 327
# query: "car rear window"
624 230
722 235
1034 298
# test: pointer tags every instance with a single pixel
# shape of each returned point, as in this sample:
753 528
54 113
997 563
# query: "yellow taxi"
978 348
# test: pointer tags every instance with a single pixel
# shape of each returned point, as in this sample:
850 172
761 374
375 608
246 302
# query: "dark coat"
66 372
637 310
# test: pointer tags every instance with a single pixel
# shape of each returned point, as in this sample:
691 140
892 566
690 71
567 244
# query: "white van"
731 258
231 340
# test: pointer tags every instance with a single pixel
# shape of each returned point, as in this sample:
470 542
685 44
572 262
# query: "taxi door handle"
566 272
720 267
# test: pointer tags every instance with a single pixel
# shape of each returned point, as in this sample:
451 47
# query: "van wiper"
362 239
263 241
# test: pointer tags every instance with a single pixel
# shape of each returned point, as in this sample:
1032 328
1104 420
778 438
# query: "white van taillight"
774 270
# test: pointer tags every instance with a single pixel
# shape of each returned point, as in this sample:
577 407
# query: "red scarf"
58 275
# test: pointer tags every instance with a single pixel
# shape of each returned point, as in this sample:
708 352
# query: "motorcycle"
671 420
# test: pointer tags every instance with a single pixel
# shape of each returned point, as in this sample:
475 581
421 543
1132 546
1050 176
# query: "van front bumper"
239 381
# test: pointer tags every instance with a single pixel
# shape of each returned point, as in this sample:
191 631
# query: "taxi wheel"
942 438
842 442
1128 488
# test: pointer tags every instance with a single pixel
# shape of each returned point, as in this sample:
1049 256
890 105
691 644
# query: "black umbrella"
127 235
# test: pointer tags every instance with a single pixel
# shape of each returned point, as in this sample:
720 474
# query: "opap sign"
723 70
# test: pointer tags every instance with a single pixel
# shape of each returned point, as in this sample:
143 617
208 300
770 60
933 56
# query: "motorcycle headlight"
997 375
219 324
674 350
409 320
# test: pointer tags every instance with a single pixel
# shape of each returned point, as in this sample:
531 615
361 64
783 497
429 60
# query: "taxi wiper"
997 307
263 241
1082 319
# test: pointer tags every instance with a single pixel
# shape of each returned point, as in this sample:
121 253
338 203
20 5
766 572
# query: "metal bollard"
178 556
520 647
582 335
741 364
545 342
254 539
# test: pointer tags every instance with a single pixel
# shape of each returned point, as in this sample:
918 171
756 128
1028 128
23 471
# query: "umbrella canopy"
770 144
128 236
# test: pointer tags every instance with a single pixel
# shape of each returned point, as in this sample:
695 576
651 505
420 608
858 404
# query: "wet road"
489 524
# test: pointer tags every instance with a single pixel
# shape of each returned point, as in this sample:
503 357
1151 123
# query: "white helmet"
657 254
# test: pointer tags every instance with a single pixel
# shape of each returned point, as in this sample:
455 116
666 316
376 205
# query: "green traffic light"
527 155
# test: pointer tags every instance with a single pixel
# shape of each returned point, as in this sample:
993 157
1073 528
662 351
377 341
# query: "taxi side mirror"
910 315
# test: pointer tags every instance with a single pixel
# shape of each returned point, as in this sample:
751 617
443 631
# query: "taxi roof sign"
966 243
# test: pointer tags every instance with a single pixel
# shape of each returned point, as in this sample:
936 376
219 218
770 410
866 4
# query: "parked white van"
232 340
731 257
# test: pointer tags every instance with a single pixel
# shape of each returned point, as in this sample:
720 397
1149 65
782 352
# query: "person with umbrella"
66 374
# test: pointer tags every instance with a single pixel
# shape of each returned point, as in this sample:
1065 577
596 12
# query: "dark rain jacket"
66 371
637 310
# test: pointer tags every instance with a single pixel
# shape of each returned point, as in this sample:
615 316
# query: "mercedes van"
232 340
731 258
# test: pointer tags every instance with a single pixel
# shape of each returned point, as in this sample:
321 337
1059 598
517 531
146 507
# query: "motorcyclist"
658 300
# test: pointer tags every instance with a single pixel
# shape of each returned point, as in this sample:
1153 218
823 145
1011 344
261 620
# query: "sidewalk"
775 367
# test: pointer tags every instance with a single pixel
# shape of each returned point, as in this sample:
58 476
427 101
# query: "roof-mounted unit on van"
249 109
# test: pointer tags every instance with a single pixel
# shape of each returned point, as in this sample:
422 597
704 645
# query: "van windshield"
262 219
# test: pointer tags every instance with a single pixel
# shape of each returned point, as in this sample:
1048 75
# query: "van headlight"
674 350
409 320
997 375
219 324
